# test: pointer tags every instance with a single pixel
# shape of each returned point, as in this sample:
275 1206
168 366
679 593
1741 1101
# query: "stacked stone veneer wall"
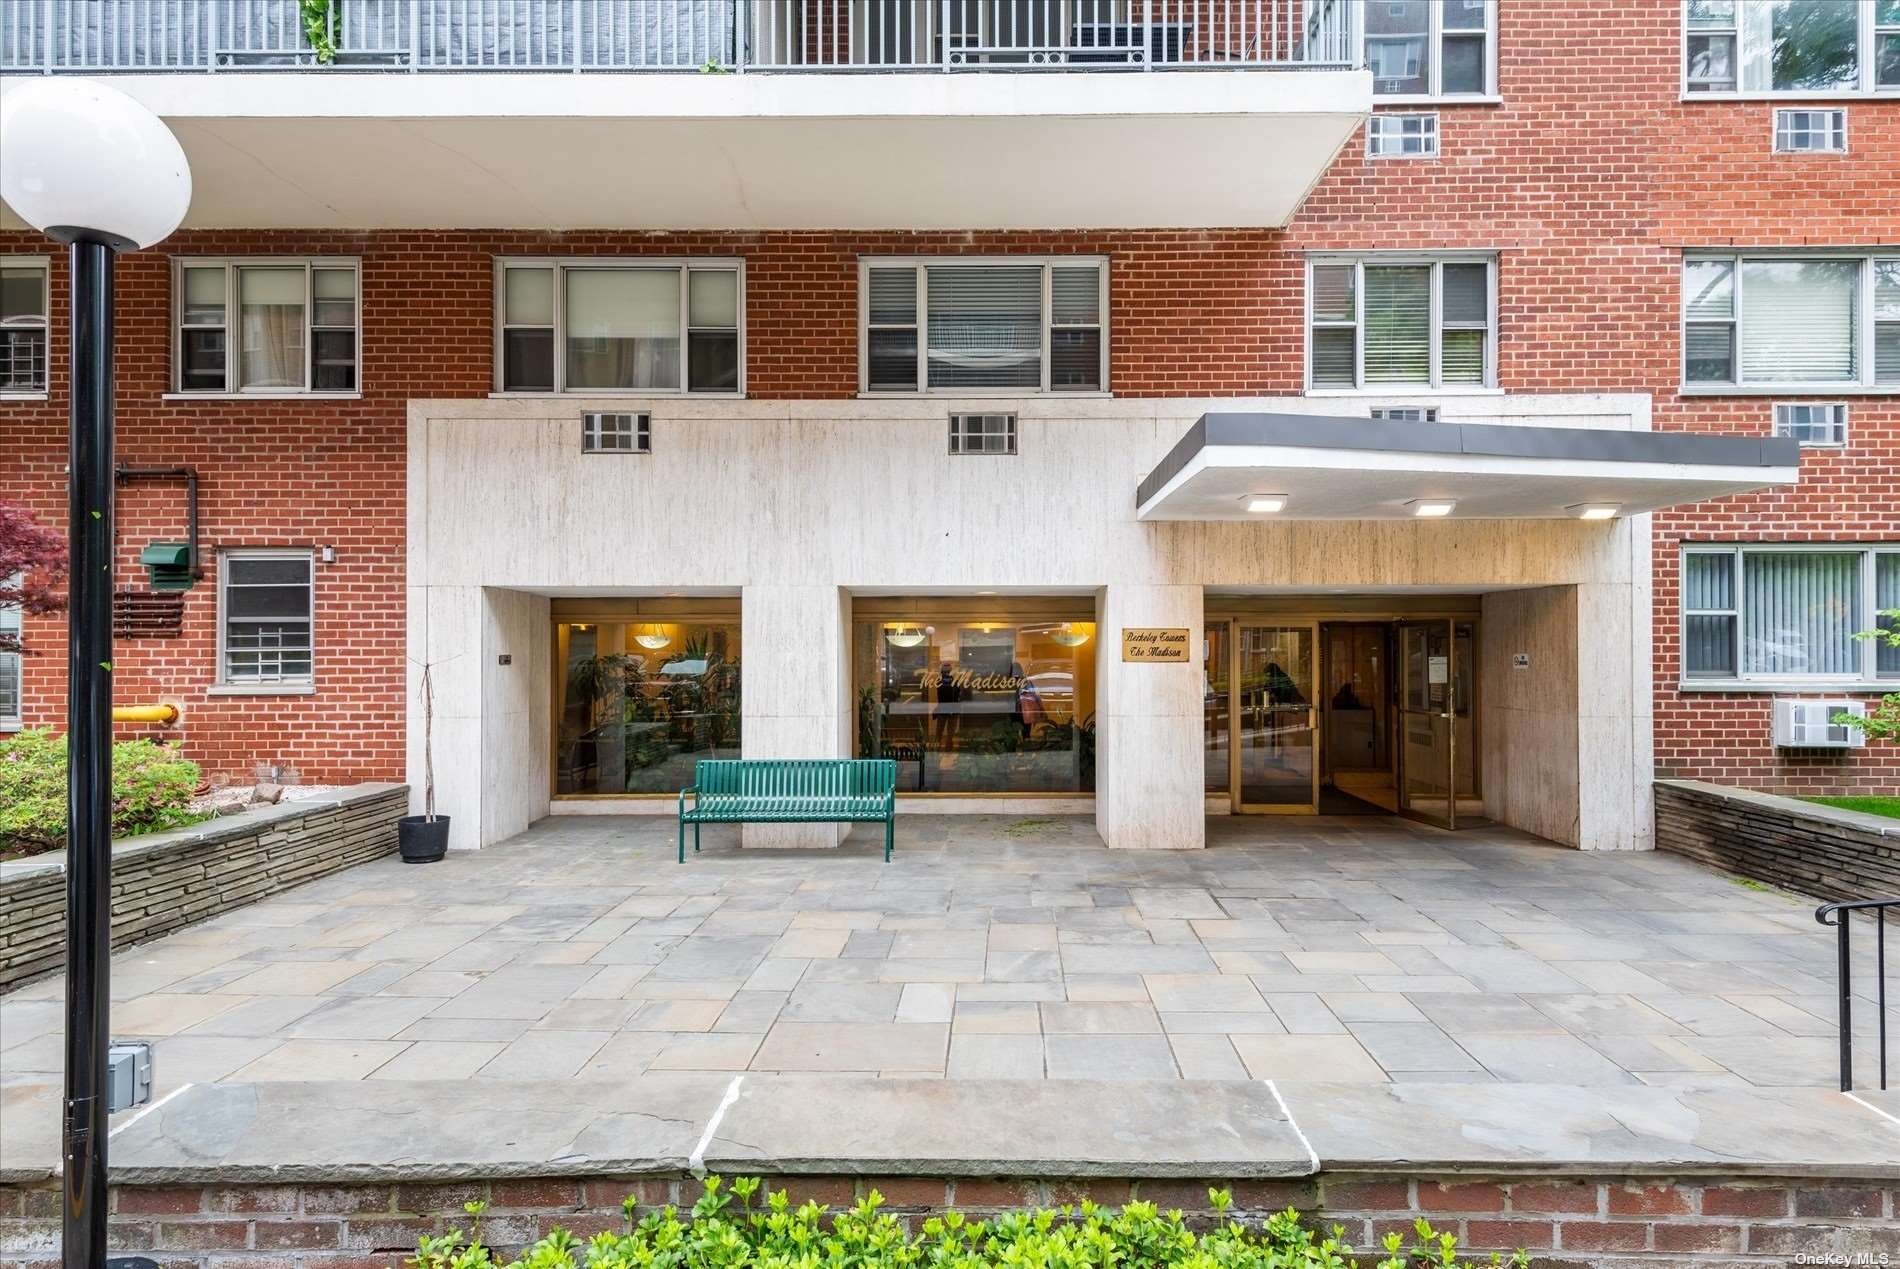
1559 1220
1812 849
168 880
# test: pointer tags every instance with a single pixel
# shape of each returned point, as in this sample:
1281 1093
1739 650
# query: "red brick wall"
1588 179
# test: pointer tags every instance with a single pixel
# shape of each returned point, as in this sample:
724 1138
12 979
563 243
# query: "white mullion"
920 317
233 323
1359 323
1740 603
309 325
864 317
1435 316
1048 320
1864 50
1865 349
1101 320
1869 648
1435 49
686 328
1735 311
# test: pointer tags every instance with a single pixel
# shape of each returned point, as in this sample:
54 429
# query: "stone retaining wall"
1560 1220
163 881
1811 849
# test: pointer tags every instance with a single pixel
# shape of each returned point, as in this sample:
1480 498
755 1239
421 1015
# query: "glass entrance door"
1428 738
1276 737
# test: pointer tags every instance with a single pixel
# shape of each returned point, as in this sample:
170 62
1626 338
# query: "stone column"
1149 779
795 648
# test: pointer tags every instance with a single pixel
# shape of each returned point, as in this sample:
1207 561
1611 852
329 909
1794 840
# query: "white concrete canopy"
1326 468
654 150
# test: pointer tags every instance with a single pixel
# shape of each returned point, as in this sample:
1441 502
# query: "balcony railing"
144 36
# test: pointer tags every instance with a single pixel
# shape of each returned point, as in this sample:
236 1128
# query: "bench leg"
695 837
889 826
682 841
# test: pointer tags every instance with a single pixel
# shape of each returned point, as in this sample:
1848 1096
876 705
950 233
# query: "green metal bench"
790 791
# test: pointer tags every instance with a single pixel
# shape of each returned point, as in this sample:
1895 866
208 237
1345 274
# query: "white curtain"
1798 320
623 328
271 312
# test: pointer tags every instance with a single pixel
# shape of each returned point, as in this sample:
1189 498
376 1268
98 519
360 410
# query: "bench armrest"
692 790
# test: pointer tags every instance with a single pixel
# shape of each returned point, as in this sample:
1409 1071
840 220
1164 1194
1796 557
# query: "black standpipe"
89 758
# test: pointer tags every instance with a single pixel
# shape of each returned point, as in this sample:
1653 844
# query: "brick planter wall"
1811 849
1561 1221
167 880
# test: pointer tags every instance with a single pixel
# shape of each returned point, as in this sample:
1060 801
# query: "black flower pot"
422 841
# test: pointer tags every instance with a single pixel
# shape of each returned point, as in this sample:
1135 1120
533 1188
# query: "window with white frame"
1402 136
24 305
1812 423
1787 612
1016 326
1811 132
1431 48
1783 320
1804 47
600 327
616 433
266 612
1379 320
10 686
267 326
982 434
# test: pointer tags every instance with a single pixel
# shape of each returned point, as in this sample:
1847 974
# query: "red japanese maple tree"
32 567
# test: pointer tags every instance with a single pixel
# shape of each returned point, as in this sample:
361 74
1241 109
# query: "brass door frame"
1269 622
1449 716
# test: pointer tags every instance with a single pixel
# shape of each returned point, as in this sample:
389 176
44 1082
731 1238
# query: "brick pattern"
1561 1221
1588 178
158 888
1782 845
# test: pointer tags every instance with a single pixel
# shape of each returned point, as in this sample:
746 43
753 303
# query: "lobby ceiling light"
1595 510
1069 637
652 638
904 636
1265 504
1431 507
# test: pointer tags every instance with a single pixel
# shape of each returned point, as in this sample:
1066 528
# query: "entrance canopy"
1321 467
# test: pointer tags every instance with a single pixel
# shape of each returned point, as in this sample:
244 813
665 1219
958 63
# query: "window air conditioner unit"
1811 725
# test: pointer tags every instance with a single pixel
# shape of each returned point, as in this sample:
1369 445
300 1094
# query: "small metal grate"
146 614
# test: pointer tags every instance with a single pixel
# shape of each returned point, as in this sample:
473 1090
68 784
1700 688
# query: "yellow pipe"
164 715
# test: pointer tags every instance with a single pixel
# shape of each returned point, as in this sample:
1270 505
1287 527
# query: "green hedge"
152 789
777 1236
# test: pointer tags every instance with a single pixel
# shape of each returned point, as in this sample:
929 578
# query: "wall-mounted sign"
1155 643
1437 670
1520 661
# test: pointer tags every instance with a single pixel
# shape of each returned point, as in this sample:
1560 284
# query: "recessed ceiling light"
986 592
1262 504
1595 510
1431 506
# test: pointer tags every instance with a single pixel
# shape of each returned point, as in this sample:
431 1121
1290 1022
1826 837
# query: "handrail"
1837 915
206 36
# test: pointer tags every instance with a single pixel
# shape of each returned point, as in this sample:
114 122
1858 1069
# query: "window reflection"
973 706
639 702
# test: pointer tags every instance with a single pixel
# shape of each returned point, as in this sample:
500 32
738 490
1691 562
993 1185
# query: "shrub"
151 790
779 1237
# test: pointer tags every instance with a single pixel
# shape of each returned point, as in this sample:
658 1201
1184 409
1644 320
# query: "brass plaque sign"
1155 643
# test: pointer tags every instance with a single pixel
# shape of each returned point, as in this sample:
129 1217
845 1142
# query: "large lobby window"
1014 326
640 696
620 326
972 700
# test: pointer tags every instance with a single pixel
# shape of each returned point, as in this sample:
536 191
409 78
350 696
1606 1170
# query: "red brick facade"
1588 179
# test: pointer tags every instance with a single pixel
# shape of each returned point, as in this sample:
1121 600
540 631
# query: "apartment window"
267 326
10 690
1787 321
1782 612
1389 320
1791 46
266 602
1431 48
1811 131
23 310
1814 424
1015 326
616 433
982 434
1405 413
1402 136
602 327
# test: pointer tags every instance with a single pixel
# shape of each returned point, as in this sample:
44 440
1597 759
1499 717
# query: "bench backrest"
796 777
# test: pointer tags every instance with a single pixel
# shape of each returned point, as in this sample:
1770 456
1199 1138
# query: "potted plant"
424 838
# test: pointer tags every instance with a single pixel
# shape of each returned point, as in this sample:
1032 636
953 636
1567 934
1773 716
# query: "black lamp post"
93 168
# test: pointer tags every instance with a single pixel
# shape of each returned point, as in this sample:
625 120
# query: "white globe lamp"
85 161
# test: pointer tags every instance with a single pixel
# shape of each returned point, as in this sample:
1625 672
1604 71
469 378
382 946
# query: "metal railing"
98 36
1837 914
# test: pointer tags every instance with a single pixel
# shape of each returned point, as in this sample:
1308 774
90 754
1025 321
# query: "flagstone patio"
1349 949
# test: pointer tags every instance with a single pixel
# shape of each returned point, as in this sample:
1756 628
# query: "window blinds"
1798 320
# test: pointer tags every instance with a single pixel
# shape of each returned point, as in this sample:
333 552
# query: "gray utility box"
128 1075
